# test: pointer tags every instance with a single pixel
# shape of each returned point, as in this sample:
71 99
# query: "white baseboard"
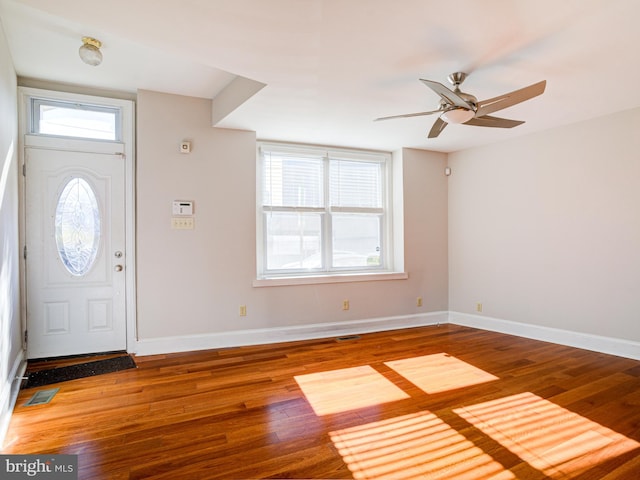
596 343
153 346
9 393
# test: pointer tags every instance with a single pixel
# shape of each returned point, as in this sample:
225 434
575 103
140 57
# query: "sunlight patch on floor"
414 446
551 439
439 372
347 389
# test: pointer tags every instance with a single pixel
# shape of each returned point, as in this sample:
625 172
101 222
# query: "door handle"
118 268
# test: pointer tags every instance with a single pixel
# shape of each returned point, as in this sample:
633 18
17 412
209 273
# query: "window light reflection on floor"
551 439
439 372
337 391
414 446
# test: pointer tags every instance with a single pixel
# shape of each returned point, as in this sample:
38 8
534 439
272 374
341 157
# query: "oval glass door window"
77 226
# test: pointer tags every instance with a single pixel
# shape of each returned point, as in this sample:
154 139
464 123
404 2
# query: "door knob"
118 268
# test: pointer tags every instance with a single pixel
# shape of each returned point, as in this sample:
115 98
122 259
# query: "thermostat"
182 207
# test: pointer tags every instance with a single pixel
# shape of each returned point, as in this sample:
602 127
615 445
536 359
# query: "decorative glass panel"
77 225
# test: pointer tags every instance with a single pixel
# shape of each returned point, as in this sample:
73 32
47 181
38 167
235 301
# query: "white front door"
75 252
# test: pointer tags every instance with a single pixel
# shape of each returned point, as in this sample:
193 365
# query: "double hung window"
322 211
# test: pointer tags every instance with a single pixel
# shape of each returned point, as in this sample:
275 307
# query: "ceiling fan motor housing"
456 80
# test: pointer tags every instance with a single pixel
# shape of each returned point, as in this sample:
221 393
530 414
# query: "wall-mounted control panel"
182 207
182 215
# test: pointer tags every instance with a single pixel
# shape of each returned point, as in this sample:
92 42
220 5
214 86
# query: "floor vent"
346 338
41 397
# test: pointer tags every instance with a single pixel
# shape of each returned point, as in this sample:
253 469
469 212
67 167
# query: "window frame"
326 273
36 102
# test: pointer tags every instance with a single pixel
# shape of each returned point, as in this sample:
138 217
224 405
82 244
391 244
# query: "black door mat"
80 370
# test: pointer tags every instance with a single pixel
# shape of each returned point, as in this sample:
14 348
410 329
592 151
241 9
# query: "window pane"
356 240
355 184
322 211
292 181
77 225
293 240
76 120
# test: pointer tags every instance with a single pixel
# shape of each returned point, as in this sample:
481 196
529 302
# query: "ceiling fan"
459 107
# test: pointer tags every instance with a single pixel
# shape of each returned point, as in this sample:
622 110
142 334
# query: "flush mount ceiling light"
90 51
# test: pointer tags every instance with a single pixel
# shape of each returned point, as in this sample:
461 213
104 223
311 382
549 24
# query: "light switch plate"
182 223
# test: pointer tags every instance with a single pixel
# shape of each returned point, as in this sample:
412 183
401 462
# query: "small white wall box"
185 147
182 207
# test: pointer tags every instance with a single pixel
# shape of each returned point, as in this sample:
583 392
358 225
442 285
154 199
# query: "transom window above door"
75 120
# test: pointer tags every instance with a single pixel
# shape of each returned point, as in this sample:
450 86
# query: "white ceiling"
332 66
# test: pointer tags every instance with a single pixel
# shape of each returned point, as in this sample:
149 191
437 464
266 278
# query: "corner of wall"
11 355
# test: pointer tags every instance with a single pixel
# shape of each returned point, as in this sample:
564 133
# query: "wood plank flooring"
443 402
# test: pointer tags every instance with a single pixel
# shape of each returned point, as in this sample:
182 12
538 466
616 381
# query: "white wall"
193 282
545 229
11 353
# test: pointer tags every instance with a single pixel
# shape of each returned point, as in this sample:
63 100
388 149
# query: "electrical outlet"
419 302
345 304
243 310
479 307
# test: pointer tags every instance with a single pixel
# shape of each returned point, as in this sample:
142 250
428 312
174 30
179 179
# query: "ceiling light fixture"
90 51
458 115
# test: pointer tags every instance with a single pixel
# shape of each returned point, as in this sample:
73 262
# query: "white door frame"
25 138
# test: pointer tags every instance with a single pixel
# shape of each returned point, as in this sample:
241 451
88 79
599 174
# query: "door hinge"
24 169
24 252
26 336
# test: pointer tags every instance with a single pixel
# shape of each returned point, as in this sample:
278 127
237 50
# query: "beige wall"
425 225
192 282
545 229
10 326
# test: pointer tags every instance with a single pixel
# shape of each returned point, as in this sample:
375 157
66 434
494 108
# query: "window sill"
333 278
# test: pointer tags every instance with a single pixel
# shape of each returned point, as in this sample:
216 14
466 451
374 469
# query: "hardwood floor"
443 402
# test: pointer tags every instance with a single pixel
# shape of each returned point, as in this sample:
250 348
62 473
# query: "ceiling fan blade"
508 99
407 115
449 96
437 128
489 121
